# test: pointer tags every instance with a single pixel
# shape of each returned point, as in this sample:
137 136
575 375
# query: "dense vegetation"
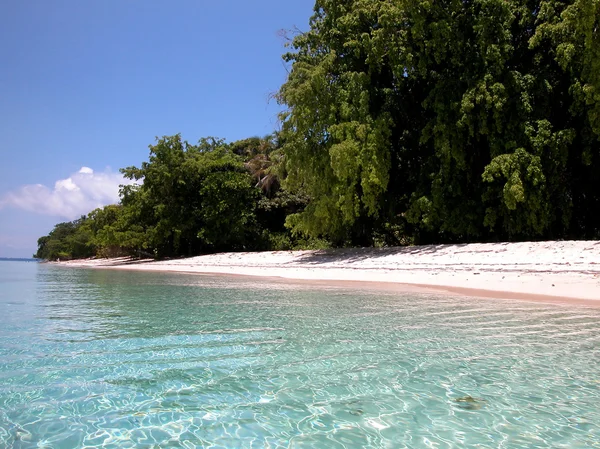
405 122
189 199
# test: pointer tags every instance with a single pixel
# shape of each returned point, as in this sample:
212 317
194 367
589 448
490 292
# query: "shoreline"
554 271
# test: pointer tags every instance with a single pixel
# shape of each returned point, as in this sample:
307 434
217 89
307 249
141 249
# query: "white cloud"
72 197
65 184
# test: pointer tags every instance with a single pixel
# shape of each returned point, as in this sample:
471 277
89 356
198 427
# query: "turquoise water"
92 358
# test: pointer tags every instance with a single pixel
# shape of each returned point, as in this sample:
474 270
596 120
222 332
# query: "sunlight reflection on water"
101 358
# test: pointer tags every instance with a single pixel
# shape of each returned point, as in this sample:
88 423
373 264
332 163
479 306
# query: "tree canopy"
449 121
404 122
187 200
193 198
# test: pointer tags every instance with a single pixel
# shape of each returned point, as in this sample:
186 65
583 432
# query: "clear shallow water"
117 359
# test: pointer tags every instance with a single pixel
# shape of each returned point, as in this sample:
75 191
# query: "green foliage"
453 121
115 231
69 240
405 122
336 148
187 200
517 194
193 199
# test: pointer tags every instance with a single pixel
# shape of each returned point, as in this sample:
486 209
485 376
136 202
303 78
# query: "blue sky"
87 85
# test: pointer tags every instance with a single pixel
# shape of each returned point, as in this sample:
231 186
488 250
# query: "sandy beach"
555 270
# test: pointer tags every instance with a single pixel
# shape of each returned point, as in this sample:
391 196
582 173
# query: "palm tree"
262 159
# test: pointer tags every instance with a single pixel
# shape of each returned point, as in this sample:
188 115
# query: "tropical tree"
447 121
192 198
264 160
68 240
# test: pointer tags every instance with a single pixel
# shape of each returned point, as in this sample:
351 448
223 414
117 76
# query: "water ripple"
106 359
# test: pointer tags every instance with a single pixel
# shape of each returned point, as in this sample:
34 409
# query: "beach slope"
556 269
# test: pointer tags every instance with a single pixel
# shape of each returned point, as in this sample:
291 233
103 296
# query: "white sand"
563 270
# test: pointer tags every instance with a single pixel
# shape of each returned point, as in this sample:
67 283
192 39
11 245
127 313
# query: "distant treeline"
189 200
405 122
